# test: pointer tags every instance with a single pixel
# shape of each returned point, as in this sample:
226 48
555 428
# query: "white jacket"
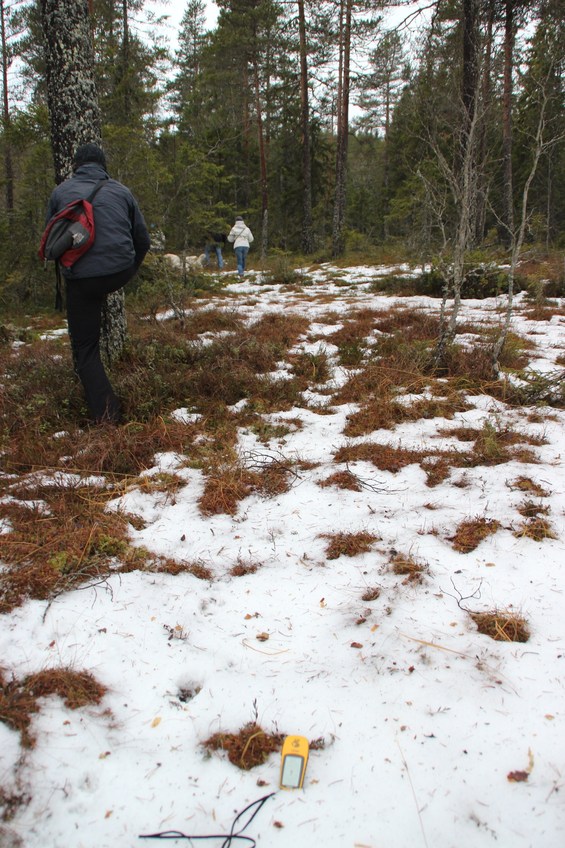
240 234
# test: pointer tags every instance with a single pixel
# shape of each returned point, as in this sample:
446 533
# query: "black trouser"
85 299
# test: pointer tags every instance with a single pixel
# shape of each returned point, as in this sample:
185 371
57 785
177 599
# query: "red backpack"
70 233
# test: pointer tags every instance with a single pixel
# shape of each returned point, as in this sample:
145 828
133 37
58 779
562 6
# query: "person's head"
238 218
88 152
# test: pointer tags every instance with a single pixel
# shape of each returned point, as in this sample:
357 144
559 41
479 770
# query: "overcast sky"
175 10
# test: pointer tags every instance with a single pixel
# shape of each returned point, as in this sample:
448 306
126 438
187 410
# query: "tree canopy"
325 128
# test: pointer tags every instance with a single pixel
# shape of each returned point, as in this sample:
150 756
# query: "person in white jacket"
242 237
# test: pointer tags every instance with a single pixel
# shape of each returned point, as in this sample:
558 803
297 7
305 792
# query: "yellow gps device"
293 763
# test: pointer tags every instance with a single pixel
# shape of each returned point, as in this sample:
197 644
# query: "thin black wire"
229 838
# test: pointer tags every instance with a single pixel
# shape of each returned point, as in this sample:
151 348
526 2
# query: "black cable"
229 838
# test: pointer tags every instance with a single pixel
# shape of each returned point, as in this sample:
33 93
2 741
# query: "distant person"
121 242
215 241
242 237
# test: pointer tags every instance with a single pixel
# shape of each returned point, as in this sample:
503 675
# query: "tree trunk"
463 178
75 116
508 196
263 164
482 179
8 164
71 93
338 240
469 96
307 225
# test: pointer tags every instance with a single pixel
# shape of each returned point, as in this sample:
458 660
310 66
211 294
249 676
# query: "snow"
422 717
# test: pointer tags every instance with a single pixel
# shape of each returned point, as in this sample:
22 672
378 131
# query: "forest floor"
346 548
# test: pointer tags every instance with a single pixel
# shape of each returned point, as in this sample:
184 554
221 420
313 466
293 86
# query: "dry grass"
383 457
469 534
492 444
385 413
408 566
248 748
163 481
60 537
282 329
490 447
312 369
348 544
225 489
173 567
470 368
342 480
371 594
243 567
502 626
529 509
537 529
438 468
19 700
351 338
226 486
435 464
397 359
525 484
267 431
202 321
368 384
412 324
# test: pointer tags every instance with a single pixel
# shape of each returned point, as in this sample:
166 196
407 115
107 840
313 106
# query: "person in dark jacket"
215 241
120 245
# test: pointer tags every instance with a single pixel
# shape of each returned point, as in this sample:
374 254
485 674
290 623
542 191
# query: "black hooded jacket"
121 237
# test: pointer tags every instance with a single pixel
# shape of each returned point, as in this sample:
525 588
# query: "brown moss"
311 368
412 324
343 480
348 544
525 484
409 567
384 457
19 700
537 529
162 482
386 413
437 469
197 569
469 534
242 568
248 748
59 543
502 626
371 382
529 509
226 486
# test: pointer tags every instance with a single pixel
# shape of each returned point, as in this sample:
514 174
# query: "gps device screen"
292 770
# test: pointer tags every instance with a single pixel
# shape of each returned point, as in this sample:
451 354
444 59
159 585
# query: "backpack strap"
96 188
